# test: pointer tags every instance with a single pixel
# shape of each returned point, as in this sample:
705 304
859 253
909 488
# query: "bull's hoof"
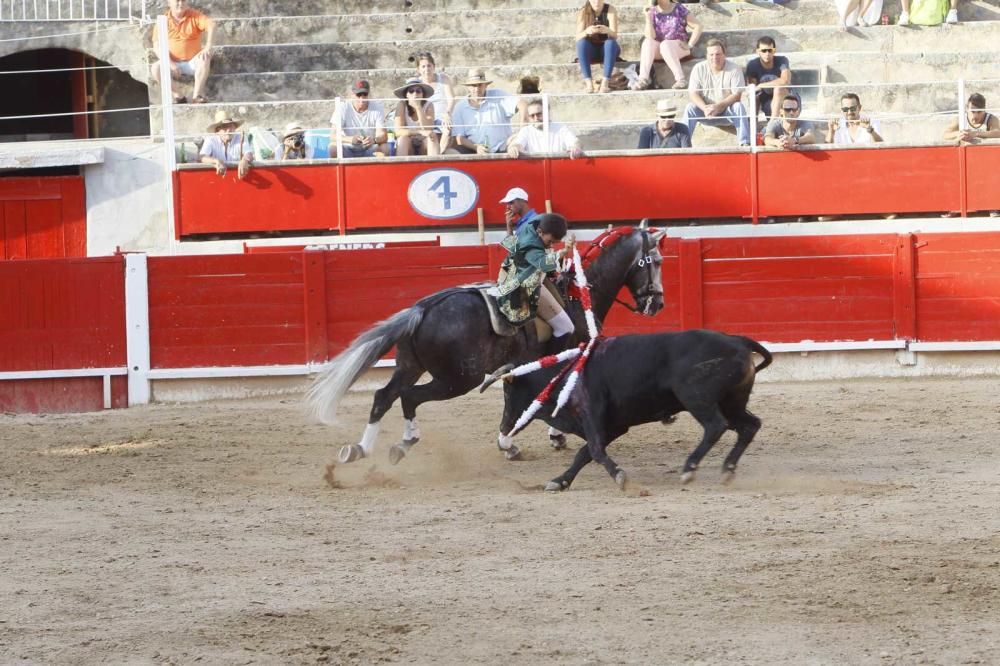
513 453
621 479
558 442
396 453
556 486
350 453
688 476
727 476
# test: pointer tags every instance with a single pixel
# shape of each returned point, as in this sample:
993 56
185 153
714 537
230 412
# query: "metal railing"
72 10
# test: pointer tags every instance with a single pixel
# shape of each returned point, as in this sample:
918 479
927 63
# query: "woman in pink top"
667 23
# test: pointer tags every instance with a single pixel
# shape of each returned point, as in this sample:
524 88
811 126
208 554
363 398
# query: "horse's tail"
760 349
332 383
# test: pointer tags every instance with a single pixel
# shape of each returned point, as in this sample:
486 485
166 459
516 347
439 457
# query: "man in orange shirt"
187 56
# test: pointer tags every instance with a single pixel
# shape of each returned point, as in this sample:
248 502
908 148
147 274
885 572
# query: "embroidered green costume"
522 273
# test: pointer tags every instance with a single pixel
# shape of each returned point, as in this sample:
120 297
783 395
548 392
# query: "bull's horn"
497 374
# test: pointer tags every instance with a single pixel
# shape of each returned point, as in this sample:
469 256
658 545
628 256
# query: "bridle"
649 291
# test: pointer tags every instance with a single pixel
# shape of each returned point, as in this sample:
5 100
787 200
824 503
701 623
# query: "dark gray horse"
449 336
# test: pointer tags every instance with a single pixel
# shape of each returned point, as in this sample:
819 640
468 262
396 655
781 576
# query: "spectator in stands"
482 121
188 58
293 143
715 89
666 38
443 97
526 87
225 145
788 132
361 124
980 123
858 12
533 139
597 41
415 132
516 209
928 12
665 133
856 128
771 74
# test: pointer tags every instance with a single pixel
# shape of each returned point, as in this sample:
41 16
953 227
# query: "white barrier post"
752 110
545 118
137 328
338 113
167 106
963 120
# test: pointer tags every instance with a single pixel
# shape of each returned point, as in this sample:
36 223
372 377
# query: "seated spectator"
858 12
855 128
928 12
980 123
188 58
771 74
482 120
665 133
597 41
225 146
361 124
443 97
715 90
415 133
293 143
533 139
516 210
526 87
788 132
666 39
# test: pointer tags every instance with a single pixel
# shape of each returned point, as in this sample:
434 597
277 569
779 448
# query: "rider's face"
547 239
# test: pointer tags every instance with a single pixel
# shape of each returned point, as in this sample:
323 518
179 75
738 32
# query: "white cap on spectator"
514 193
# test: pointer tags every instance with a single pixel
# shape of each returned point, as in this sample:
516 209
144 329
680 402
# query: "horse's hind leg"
414 396
402 378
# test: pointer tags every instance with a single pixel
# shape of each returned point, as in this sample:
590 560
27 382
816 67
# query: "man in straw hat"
188 58
293 142
226 145
481 123
361 123
665 133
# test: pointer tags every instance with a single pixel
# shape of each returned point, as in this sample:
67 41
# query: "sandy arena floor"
863 528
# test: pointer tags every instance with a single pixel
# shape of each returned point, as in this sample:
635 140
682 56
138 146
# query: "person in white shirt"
532 139
856 128
361 123
715 89
481 122
226 145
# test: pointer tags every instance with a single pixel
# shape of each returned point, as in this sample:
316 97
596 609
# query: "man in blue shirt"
772 75
516 210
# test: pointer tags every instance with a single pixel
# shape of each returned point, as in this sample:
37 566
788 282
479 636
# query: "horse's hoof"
727 476
396 453
558 442
669 420
621 479
687 477
556 486
513 453
351 453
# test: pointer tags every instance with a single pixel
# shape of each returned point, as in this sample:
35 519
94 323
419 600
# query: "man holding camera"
361 124
293 143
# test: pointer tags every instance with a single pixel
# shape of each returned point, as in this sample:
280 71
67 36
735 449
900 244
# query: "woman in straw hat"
225 144
415 133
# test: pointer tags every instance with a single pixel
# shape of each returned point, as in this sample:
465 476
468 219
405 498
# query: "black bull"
636 379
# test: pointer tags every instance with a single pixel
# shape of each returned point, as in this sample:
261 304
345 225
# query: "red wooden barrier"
61 314
373 196
42 218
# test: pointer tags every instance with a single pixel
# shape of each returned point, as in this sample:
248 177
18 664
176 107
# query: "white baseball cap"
514 193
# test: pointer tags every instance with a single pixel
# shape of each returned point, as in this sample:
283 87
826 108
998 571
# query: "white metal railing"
72 10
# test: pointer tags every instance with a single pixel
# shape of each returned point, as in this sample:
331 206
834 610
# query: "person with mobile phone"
597 41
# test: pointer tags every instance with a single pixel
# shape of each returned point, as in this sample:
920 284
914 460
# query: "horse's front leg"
557 439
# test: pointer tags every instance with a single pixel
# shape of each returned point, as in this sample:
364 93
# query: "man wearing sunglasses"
533 139
788 132
362 124
771 74
856 128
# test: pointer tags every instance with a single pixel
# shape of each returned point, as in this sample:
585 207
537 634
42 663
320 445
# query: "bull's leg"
564 480
384 398
746 426
414 396
715 425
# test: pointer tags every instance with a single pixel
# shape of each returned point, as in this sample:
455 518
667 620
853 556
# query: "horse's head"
645 279
627 257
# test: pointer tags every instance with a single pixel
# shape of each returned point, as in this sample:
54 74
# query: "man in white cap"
665 133
226 145
481 121
516 210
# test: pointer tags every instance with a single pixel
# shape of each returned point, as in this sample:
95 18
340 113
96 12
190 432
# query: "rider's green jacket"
522 272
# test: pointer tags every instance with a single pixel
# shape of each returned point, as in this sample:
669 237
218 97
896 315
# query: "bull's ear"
659 235
644 224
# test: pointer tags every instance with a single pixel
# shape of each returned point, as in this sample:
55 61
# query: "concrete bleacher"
268 55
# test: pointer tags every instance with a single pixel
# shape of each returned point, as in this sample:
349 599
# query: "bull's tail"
762 350
332 383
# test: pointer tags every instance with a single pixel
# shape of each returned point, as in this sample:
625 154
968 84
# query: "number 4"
444 184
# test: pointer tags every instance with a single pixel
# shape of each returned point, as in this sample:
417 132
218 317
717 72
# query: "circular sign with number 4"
443 194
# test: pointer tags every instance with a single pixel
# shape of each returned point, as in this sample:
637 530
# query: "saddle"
504 328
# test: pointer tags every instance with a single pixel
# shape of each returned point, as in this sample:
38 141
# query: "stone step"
462 52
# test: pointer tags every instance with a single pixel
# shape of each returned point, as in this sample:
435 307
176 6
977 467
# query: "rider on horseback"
522 293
